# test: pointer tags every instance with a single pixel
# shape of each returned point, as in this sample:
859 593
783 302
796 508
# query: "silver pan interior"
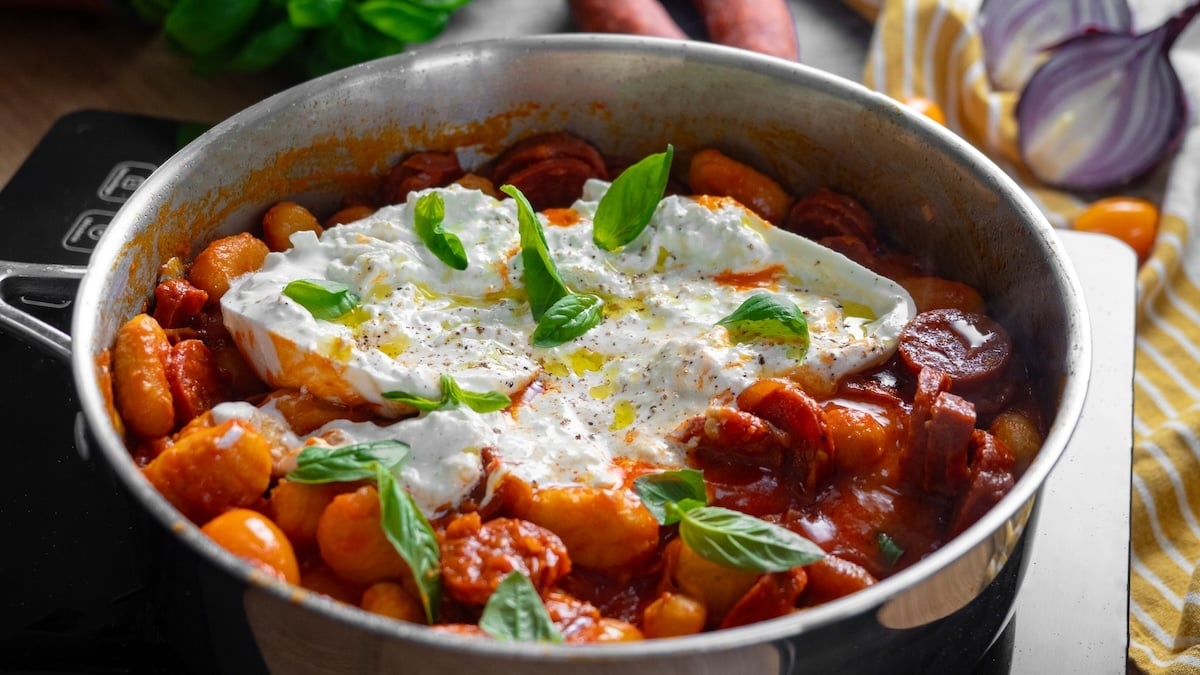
630 96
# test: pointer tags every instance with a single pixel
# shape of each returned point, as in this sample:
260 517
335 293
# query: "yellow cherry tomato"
1131 219
928 108
254 537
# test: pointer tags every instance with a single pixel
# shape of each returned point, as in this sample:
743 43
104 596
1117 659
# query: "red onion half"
1016 33
1104 108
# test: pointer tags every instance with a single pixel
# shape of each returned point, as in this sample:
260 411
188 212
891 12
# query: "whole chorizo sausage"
639 17
764 26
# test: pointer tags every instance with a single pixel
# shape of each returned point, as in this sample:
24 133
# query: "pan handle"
47 283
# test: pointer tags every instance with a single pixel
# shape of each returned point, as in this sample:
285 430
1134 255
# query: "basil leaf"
480 402
515 612
418 402
440 5
568 318
888 548
314 13
319 464
204 26
401 20
766 316
741 541
323 299
658 490
629 204
428 214
413 538
542 282
347 42
453 395
267 48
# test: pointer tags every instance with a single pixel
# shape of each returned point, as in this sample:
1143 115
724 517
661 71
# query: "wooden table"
53 62
56 61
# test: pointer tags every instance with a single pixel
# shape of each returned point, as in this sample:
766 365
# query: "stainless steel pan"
941 198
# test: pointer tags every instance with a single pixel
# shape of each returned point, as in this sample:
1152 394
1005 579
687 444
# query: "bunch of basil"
302 38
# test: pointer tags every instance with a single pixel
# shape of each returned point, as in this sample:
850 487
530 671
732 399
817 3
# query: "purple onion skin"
1015 33
1105 109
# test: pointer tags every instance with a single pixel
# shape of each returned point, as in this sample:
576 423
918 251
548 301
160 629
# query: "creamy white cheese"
657 358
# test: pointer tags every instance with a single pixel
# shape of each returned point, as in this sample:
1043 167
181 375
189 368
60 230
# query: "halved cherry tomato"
251 535
928 108
1131 219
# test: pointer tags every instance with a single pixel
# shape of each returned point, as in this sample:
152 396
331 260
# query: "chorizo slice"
771 596
810 456
550 169
944 458
638 17
196 383
764 26
552 183
419 171
176 301
991 478
968 347
476 556
725 435
826 213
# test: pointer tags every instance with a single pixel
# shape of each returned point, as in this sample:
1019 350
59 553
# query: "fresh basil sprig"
724 536
515 611
573 314
452 396
403 523
324 299
319 464
428 214
413 538
303 37
629 204
765 316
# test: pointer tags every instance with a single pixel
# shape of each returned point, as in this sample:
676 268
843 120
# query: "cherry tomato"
1131 219
928 108
251 535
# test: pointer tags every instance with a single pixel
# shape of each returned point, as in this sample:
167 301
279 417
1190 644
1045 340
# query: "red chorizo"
764 26
418 172
788 408
638 17
176 301
969 348
948 433
771 596
991 478
725 435
477 556
196 384
826 213
550 169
